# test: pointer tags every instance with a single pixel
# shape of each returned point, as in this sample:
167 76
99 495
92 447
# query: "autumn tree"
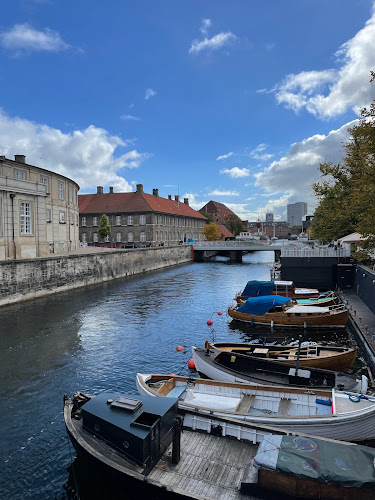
104 229
234 224
211 231
346 192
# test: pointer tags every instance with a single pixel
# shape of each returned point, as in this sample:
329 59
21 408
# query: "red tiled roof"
116 203
225 231
220 208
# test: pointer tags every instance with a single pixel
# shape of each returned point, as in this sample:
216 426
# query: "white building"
295 212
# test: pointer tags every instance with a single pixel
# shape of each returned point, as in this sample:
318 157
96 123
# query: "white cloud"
149 93
216 42
294 173
85 156
24 38
193 202
129 117
224 157
236 172
206 23
256 153
217 192
345 87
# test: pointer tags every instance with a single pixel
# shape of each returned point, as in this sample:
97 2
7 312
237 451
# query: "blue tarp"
260 305
256 288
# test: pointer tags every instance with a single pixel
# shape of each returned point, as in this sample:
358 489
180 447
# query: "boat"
234 367
327 413
310 354
213 458
324 300
255 288
276 310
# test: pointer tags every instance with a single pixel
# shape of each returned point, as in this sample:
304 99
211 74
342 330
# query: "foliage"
234 224
347 192
208 217
104 228
211 231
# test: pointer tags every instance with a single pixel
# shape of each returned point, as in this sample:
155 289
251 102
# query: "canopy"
255 288
260 305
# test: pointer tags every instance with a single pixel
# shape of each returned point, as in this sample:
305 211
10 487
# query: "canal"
96 339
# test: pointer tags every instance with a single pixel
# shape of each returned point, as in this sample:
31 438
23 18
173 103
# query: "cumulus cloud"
129 117
149 93
24 38
294 173
85 156
331 92
216 42
206 23
224 157
193 201
236 172
217 192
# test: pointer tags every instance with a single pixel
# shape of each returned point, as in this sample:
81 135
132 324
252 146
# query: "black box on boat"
140 427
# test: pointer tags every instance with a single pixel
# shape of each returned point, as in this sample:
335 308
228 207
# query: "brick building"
279 229
138 218
219 213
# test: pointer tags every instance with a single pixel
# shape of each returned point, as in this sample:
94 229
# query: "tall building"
269 217
295 212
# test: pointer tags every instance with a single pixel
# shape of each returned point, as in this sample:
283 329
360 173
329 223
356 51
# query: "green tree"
234 224
104 229
211 231
346 193
208 217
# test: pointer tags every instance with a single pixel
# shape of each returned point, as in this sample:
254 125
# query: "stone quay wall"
31 278
364 286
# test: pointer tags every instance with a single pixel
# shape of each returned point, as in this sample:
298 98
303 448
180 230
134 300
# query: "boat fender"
323 402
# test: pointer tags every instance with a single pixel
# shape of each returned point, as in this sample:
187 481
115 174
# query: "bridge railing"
315 252
230 244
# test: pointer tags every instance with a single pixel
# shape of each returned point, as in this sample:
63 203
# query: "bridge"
204 250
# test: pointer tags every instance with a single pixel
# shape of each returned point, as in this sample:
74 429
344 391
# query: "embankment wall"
27 279
364 286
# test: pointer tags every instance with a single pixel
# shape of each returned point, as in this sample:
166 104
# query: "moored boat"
256 288
313 355
276 310
334 414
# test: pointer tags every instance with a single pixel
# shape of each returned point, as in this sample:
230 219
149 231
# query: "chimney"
111 190
139 189
99 190
2 157
186 201
176 198
155 192
169 197
20 158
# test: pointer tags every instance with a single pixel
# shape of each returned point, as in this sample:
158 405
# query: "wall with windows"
38 211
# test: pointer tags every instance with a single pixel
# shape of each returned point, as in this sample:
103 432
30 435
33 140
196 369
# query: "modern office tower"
295 212
269 217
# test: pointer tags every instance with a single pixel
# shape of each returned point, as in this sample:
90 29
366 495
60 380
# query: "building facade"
138 219
220 213
38 211
278 229
295 212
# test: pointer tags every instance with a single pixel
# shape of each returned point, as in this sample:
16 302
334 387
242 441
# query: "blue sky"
232 101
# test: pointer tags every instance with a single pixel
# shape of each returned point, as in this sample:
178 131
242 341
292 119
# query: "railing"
315 252
230 244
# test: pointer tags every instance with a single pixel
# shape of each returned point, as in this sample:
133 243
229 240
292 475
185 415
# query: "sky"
236 102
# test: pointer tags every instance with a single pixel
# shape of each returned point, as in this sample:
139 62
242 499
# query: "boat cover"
255 288
260 305
313 458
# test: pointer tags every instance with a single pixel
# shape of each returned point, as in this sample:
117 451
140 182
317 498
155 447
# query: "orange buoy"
172 375
179 348
219 313
191 363
209 322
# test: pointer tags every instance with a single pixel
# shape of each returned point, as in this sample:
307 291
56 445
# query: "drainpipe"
12 196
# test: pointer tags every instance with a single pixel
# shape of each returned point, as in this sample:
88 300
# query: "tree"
211 231
208 217
347 192
234 224
104 229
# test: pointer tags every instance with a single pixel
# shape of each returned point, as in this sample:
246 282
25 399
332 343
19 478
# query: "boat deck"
210 466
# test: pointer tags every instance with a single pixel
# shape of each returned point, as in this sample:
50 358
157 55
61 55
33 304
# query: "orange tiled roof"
220 208
225 231
116 203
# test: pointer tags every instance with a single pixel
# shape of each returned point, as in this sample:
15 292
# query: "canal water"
96 339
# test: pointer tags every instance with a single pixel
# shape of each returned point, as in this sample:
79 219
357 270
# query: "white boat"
333 414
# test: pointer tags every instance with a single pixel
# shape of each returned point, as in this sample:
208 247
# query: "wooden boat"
315 412
256 288
229 367
276 310
228 450
329 299
314 355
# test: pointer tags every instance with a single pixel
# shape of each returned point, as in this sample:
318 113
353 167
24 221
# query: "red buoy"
209 322
179 348
172 375
191 363
219 313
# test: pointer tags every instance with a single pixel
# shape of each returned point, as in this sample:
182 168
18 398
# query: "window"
70 194
20 174
161 235
71 219
84 238
130 237
156 235
95 237
48 215
156 219
143 236
83 221
118 237
130 220
118 220
142 220
94 221
61 191
62 218
107 238
25 218
44 181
